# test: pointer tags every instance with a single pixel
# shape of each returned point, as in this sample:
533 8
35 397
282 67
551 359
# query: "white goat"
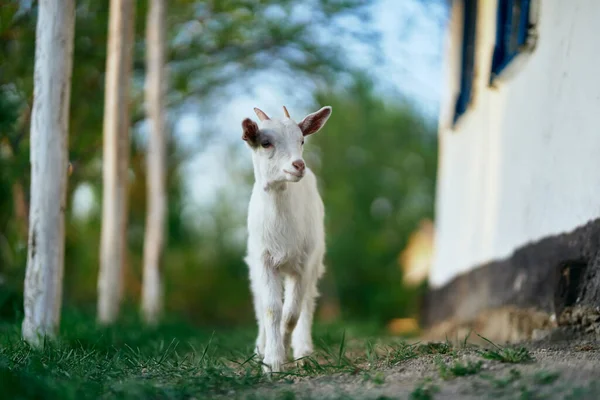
286 235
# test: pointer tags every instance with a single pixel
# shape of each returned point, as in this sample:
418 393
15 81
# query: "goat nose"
299 165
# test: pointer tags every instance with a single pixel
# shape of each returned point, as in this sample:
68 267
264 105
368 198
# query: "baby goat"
286 235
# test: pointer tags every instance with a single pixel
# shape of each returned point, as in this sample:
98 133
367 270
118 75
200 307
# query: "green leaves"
376 162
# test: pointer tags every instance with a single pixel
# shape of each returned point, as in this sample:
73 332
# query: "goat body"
286 237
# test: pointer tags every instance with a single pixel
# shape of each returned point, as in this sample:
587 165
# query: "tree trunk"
115 158
156 162
49 139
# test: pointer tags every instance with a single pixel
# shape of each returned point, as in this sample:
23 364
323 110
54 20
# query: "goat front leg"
292 305
259 310
271 300
302 343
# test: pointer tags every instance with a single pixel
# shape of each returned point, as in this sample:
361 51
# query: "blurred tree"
376 160
155 161
115 167
49 138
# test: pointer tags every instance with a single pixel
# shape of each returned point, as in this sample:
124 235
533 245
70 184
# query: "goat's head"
277 145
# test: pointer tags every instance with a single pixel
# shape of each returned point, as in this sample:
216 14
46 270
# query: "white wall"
524 161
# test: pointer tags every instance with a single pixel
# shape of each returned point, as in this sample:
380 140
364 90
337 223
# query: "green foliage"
376 163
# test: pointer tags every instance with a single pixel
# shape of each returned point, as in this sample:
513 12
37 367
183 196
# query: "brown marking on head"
250 131
261 114
312 123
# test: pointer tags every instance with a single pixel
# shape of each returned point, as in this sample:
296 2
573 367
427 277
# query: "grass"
178 361
457 368
508 355
435 348
545 377
534 386
512 355
504 381
175 361
401 352
100 366
424 391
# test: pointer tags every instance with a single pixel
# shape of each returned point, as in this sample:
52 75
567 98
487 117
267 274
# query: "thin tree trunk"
115 158
156 162
49 142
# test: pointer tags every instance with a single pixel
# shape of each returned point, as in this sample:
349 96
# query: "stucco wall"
524 161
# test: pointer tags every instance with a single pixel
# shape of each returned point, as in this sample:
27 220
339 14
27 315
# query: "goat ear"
261 114
312 123
250 129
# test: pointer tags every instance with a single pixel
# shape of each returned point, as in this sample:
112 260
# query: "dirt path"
565 369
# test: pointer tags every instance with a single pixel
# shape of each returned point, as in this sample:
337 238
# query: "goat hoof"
301 362
272 365
303 353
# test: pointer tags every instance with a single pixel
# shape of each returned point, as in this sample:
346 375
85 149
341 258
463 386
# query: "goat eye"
266 145
302 142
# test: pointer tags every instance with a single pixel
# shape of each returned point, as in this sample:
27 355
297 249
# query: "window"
512 29
468 58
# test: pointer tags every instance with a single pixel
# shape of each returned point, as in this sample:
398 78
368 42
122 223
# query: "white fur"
286 242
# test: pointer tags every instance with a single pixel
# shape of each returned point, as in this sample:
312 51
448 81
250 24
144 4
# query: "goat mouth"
296 174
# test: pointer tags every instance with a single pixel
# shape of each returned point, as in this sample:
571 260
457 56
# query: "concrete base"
539 283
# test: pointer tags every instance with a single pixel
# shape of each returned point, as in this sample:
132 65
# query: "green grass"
178 361
545 377
435 348
111 363
457 368
424 391
401 352
511 355
504 381
508 355
174 361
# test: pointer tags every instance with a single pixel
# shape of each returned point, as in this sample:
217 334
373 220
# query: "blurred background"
377 63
